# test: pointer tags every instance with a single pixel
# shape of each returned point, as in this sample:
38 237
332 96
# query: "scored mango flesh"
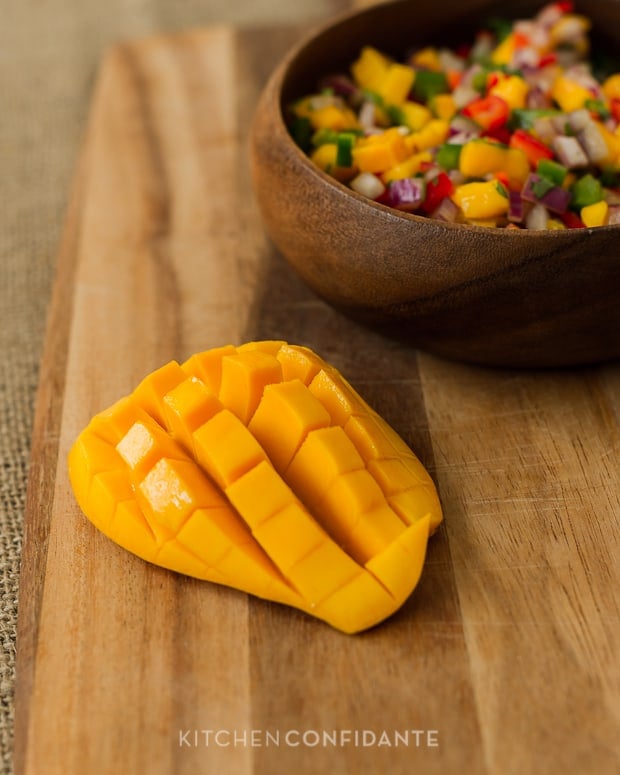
261 468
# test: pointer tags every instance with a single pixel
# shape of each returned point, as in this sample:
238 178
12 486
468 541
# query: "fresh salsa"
519 129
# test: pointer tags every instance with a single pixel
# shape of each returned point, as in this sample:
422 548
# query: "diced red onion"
525 57
515 207
457 177
483 46
579 119
612 197
555 199
462 124
407 194
569 152
431 173
450 61
320 101
544 128
340 83
593 143
469 75
460 138
613 218
463 95
537 218
447 210
366 115
368 185
537 98
548 16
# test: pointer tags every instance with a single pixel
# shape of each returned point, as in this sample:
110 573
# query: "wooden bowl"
489 296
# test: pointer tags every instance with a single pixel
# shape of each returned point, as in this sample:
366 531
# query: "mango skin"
260 467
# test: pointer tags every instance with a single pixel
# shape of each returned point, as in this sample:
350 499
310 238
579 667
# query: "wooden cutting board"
505 659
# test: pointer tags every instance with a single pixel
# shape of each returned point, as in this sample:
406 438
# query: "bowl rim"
277 82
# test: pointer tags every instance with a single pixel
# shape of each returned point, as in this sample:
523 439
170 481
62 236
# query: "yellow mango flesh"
261 468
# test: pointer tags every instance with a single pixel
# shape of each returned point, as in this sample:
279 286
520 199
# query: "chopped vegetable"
520 107
586 191
259 467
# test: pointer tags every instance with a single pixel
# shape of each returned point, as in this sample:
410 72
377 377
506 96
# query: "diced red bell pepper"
547 59
572 220
565 7
520 40
501 134
437 189
503 178
614 107
489 112
532 147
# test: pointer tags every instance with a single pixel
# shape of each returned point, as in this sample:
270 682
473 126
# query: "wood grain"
508 648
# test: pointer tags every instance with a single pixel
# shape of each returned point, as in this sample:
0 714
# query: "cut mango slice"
261 468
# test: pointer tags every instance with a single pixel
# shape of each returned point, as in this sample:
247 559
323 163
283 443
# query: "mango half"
261 468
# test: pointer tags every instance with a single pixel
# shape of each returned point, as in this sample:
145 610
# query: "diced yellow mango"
392 475
107 488
388 565
113 423
415 115
612 140
503 53
276 495
513 90
143 445
352 507
432 134
370 68
173 555
131 530
244 376
569 94
338 397
380 152
480 157
286 414
357 604
415 503
595 214
333 117
428 58
481 200
151 391
212 533
367 435
322 571
396 84
175 488
298 363
188 406
207 366
250 569
407 168
337 454
269 346
261 468
289 535
444 106
611 87
226 449
325 157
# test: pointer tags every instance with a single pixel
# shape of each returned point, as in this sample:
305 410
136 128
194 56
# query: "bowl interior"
396 27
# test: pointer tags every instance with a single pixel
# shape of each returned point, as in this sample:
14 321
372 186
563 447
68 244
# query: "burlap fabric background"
49 52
